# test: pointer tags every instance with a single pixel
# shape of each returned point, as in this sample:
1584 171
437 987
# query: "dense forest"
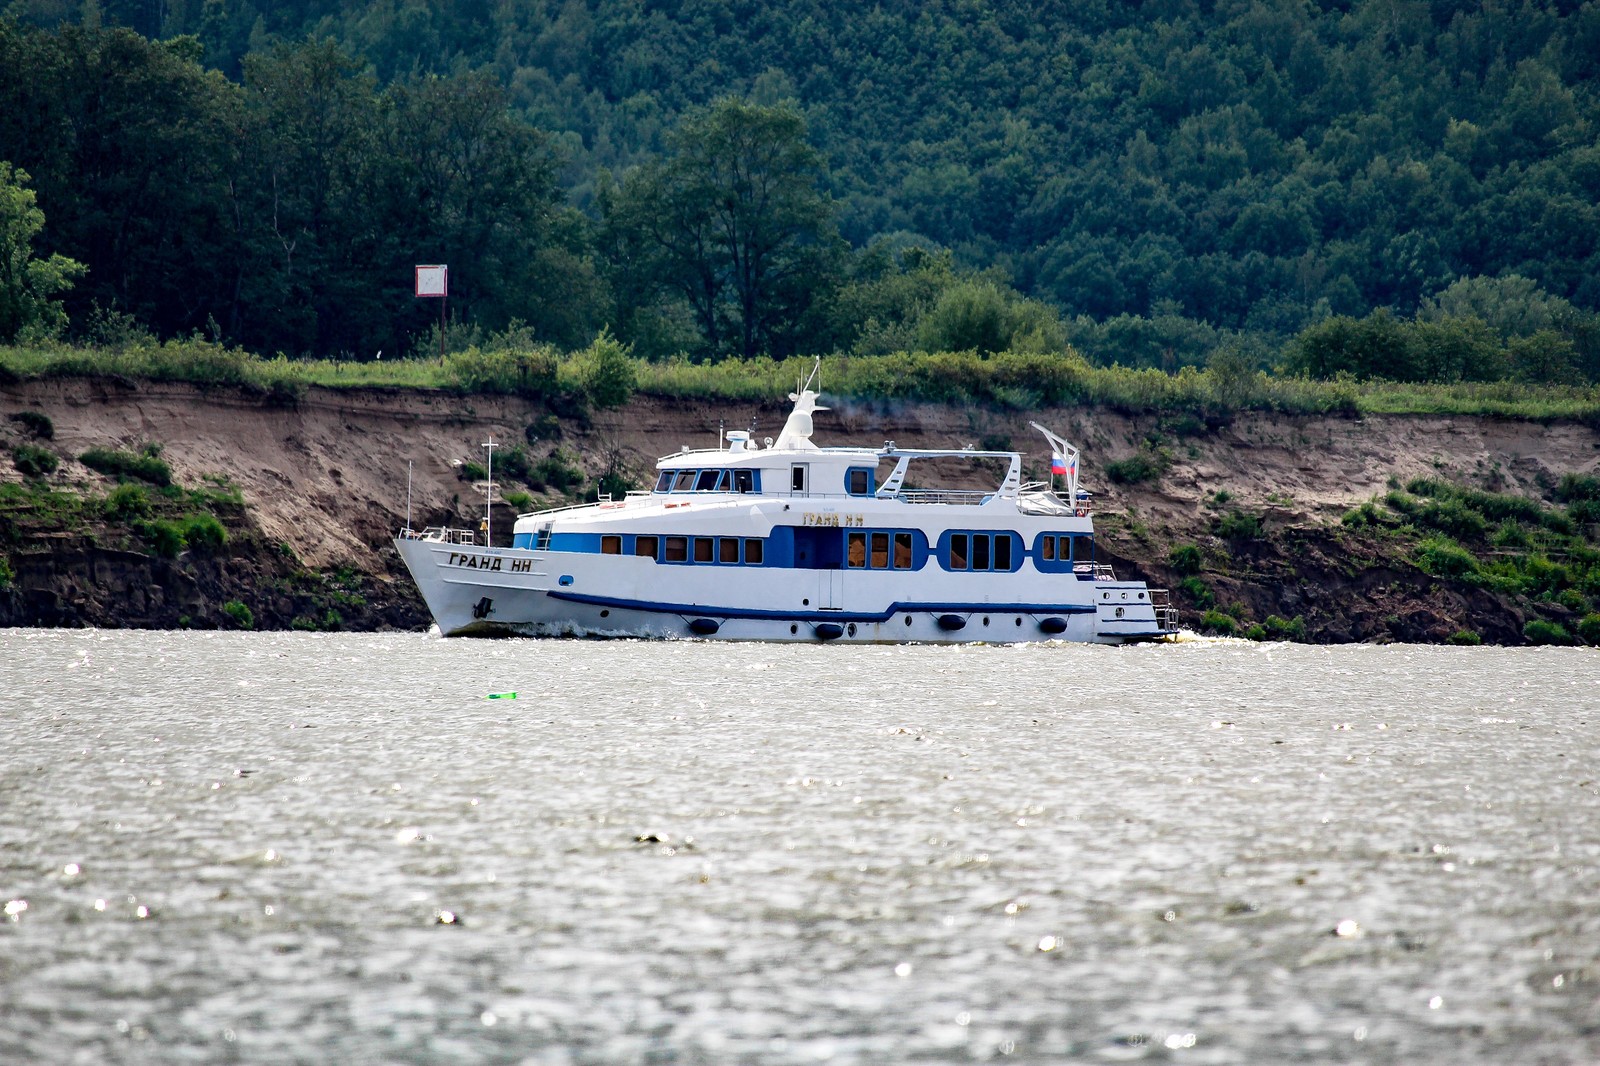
1386 188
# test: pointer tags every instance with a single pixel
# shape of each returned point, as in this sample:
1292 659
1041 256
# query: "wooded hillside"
1152 182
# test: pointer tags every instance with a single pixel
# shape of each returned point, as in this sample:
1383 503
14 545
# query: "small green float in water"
501 696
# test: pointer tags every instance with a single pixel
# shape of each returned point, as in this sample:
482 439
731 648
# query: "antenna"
816 369
408 495
488 497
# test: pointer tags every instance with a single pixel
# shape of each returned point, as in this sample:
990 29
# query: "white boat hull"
477 591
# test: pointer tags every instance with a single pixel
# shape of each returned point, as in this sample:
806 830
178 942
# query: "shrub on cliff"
126 502
530 373
1443 557
1538 631
146 465
242 616
203 532
1589 628
34 461
38 423
607 371
1186 558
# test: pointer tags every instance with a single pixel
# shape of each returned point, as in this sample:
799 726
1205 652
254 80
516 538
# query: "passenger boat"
789 541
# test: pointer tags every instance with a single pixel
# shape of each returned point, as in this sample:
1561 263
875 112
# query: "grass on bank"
605 375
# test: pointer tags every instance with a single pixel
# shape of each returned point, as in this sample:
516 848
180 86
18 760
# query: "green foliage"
1278 628
242 616
127 502
1589 628
203 532
472 470
1198 591
146 464
164 537
516 373
1442 557
518 499
607 371
8 576
1256 632
1238 525
1218 623
556 471
1146 465
34 461
1186 558
28 284
1539 631
37 422
1464 638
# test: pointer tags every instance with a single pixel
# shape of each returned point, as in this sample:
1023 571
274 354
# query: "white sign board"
433 280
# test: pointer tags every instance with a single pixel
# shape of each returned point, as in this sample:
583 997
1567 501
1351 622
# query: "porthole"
850 629
794 629
606 613
1141 595
908 619
985 619
1119 612
1124 595
805 603
1019 621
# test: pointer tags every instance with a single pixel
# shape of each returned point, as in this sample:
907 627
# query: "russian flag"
1058 463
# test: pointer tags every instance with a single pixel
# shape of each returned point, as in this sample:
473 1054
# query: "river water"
293 848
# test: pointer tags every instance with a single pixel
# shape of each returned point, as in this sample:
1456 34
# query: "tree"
733 222
28 283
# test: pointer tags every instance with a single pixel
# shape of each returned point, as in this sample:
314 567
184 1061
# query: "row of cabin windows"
878 551
864 550
979 551
706 481
746 551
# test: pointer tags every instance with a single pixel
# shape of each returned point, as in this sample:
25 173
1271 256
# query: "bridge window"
664 481
858 481
610 545
645 546
684 481
708 481
744 481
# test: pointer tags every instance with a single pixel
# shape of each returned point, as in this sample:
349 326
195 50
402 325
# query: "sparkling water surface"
294 848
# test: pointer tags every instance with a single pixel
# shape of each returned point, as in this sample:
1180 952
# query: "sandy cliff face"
325 480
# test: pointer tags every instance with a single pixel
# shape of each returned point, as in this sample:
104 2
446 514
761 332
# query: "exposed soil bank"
324 485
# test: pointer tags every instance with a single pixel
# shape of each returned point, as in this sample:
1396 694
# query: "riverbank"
1248 517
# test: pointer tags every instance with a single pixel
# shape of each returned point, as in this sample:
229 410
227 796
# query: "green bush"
1256 632
1198 591
34 461
1237 525
8 576
203 532
530 373
127 502
608 371
165 538
1144 466
1464 638
517 499
241 615
1217 622
1285 629
1539 631
555 471
1589 628
1578 487
38 423
1186 559
471 470
146 465
1442 557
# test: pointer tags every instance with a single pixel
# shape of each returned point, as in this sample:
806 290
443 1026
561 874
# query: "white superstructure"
793 542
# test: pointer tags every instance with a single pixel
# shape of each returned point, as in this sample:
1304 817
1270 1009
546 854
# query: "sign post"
434 280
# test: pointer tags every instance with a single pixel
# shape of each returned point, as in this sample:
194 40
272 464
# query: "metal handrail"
963 497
